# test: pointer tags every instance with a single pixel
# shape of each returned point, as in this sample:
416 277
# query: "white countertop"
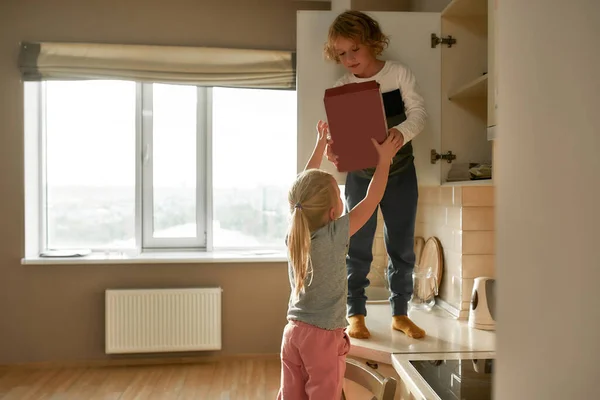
445 334
447 338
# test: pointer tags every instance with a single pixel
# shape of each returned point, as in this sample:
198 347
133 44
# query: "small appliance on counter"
482 312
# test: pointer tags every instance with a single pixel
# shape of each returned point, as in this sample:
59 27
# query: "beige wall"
548 199
55 313
381 5
429 5
391 5
371 5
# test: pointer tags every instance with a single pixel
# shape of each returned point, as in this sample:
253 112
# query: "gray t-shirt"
322 303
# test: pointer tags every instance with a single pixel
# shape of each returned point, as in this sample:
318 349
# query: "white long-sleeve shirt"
395 76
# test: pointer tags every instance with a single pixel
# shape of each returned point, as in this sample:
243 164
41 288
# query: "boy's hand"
388 149
396 132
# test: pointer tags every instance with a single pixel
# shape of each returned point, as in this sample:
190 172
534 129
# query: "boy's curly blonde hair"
357 26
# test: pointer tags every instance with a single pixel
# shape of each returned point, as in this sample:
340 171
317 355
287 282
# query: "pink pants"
313 362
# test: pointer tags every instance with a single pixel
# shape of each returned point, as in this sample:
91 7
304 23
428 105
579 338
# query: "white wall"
548 178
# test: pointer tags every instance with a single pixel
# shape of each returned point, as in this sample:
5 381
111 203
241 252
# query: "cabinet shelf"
465 8
475 88
478 182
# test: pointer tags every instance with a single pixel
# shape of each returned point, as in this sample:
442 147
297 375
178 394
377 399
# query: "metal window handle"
146 154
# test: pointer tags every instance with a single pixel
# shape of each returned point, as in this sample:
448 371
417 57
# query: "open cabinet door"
410 43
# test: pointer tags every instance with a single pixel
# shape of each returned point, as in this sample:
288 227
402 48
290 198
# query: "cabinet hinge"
435 156
435 40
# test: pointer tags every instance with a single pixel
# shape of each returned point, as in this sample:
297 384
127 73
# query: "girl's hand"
317 154
322 131
329 153
388 149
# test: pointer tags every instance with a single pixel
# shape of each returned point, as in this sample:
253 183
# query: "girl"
314 345
355 41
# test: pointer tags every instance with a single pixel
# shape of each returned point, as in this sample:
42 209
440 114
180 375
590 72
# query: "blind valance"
203 66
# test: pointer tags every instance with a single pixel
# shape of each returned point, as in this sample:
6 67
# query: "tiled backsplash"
462 218
439 214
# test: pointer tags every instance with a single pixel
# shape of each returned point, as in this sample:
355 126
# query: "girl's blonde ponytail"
310 199
299 248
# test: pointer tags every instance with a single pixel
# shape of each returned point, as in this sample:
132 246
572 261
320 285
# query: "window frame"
36 230
146 161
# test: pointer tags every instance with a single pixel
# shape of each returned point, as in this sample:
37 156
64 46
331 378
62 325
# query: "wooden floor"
247 379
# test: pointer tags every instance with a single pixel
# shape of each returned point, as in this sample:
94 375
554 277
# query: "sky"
91 135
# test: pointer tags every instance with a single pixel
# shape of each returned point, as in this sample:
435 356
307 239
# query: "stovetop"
463 379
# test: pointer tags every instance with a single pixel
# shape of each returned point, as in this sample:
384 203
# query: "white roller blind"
204 66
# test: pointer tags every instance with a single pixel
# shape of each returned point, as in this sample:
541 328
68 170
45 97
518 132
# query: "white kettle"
482 312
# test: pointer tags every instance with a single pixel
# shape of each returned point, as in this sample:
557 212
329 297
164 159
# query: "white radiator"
162 320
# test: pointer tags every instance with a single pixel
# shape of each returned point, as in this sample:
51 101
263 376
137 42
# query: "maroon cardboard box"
355 114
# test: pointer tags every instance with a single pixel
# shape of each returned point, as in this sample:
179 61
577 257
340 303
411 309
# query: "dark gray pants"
399 209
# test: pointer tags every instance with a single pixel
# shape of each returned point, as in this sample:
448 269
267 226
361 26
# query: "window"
254 164
90 164
123 165
343 195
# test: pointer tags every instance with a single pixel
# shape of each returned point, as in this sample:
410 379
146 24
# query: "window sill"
215 257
